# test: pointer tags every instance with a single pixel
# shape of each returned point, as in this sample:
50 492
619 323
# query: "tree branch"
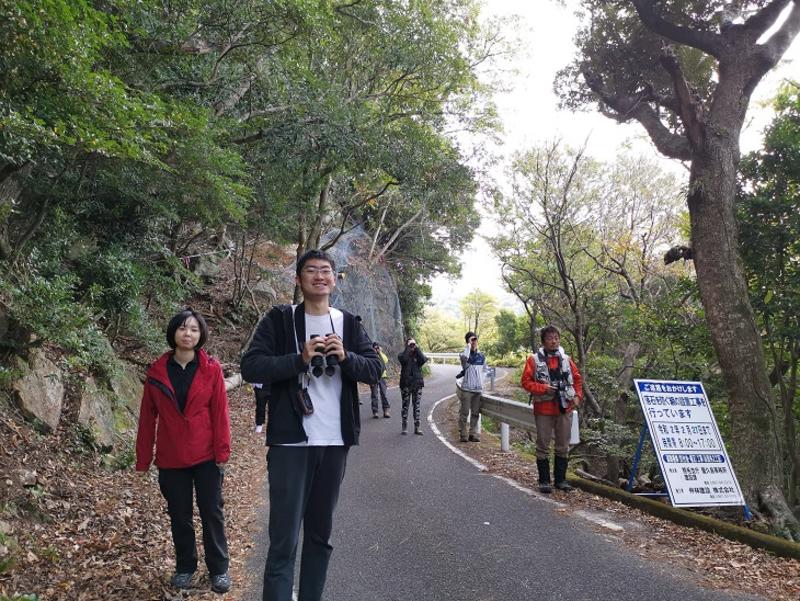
780 41
633 107
759 23
707 42
691 108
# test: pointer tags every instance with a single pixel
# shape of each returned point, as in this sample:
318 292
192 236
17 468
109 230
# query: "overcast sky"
530 116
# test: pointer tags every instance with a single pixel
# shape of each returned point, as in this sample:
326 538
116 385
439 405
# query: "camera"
561 394
317 362
303 402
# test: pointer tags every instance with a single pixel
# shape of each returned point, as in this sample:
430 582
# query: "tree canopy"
150 134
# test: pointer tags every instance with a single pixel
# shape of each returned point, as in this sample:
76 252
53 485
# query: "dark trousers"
413 395
303 487
176 485
380 387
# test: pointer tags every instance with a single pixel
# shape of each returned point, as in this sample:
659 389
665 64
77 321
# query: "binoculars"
322 364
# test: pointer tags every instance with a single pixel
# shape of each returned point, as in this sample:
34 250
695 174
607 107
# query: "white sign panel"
691 454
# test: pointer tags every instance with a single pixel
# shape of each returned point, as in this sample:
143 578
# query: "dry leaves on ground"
85 532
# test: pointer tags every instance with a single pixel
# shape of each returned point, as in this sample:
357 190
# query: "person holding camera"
473 362
411 382
311 355
556 388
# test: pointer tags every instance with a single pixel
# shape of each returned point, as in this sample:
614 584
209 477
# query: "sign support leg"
637 457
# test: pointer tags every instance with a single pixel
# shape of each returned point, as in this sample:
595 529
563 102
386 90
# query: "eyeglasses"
312 270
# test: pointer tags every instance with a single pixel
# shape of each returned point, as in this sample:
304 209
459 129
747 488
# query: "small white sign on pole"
690 451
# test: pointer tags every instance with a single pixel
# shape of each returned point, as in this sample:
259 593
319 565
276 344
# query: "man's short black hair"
469 335
180 319
548 330
314 254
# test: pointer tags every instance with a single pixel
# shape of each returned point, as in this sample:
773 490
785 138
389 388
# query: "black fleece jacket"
273 359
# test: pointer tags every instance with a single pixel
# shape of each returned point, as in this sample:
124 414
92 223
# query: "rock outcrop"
367 289
39 392
96 414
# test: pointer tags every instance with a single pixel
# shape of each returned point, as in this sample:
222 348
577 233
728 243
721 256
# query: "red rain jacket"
201 433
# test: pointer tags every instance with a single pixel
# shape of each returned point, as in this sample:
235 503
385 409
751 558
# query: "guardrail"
445 357
507 413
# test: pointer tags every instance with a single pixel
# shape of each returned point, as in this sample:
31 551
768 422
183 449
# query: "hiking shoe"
463 438
221 583
375 415
473 438
181 579
564 486
545 487
386 413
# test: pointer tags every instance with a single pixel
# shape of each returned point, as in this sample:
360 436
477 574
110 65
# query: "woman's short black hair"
314 254
179 320
549 330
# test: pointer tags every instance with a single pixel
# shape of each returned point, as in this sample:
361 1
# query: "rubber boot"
560 473
416 429
405 426
543 466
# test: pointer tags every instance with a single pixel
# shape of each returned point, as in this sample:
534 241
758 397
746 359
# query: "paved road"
417 522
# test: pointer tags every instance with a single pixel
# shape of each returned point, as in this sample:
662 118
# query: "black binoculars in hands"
320 364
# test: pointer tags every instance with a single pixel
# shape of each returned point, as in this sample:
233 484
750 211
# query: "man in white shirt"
312 356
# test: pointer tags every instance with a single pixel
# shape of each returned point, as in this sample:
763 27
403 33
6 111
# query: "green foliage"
512 334
769 218
123 459
440 333
7 376
478 310
509 359
9 559
142 133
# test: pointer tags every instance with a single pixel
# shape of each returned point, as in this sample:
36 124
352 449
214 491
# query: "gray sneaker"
221 583
181 579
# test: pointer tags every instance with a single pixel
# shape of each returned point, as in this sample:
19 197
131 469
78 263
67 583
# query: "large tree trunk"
755 429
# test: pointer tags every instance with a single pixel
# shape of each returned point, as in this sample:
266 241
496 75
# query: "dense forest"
138 137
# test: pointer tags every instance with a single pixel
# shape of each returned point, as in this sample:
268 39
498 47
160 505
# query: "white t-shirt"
324 426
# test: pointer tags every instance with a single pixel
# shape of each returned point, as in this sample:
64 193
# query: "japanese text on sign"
691 454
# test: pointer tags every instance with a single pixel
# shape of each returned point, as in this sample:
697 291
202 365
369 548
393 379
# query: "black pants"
176 486
303 487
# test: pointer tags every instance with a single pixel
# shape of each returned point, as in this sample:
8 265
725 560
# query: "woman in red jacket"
185 412
556 388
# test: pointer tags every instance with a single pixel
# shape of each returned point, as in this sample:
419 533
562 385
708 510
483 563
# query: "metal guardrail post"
504 437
